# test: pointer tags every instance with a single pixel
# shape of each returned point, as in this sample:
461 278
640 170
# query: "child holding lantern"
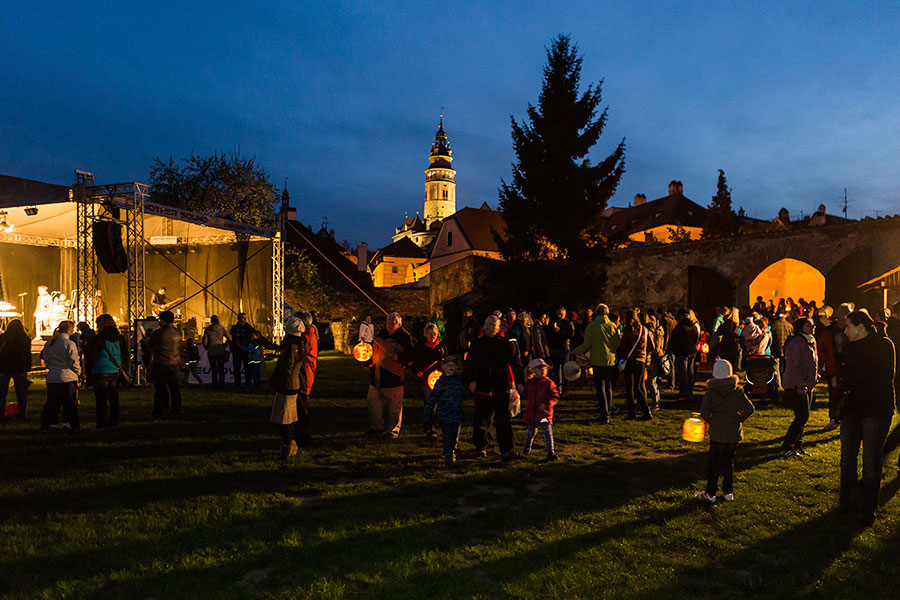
725 407
541 396
446 399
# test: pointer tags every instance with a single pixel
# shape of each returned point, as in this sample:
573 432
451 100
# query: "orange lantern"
705 348
694 429
433 377
362 351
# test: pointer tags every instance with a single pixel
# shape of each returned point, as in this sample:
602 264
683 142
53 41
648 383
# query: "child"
724 407
447 399
540 396
193 359
254 352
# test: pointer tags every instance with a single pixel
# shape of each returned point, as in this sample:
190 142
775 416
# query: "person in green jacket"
601 339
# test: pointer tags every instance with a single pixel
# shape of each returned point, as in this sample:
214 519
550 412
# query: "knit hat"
537 363
449 359
722 369
293 326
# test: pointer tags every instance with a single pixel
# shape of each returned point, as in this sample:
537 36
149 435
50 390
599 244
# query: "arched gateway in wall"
699 273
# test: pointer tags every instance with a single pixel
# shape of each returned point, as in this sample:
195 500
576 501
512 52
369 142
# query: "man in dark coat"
167 356
560 338
683 344
781 331
240 360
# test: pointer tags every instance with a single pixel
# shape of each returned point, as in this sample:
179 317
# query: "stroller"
760 373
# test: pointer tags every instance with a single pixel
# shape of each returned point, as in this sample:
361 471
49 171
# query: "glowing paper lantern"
705 349
571 370
12 409
433 377
362 351
694 429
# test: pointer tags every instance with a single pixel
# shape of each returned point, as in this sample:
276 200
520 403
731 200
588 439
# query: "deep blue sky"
795 101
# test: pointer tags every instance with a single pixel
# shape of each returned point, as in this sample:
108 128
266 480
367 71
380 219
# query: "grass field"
201 508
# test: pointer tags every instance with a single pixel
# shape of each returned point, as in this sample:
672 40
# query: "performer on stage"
42 312
99 303
159 300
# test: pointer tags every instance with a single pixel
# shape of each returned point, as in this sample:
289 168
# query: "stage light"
31 211
4 226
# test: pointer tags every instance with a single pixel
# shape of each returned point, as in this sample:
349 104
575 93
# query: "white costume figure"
42 313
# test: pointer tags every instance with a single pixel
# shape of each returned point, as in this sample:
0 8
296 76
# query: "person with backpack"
801 370
105 354
287 381
631 359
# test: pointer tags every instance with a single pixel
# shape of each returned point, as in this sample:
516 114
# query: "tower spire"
440 178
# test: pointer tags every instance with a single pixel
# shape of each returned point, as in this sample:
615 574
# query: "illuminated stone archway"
788 278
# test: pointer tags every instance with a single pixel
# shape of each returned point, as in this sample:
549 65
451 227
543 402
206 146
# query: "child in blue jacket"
447 399
254 352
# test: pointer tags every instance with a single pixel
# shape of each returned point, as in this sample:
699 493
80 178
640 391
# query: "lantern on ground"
694 429
571 370
12 409
433 377
362 351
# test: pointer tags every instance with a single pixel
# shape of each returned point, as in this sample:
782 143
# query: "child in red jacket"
540 397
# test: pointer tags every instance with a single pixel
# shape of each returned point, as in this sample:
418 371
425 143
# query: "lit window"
393 269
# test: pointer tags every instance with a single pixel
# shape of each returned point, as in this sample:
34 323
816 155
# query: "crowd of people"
512 357
78 356
512 361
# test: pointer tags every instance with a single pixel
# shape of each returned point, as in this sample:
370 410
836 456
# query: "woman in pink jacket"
800 373
540 395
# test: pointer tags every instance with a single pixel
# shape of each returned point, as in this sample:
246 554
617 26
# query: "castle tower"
440 179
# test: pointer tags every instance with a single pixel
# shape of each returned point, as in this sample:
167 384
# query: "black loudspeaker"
107 237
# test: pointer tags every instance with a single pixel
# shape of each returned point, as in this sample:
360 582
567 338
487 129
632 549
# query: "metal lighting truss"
131 197
86 258
278 279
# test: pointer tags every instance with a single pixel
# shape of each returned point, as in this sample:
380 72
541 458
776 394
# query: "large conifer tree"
720 220
556 195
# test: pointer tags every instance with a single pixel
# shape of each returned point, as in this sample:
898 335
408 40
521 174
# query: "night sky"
795 101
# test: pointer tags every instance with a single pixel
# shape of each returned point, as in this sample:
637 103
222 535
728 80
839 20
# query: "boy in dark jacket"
446 399
725 407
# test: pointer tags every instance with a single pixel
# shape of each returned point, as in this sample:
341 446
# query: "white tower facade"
440 179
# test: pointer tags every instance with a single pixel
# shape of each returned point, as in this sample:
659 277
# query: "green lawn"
201 508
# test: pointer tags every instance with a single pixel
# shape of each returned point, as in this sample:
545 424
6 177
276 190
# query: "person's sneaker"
372 432
431 435
728 497
449 460
645 417
393 436
801 452
66 426
705 497
657 406
552 457
54 426
481 454
511 455
629 417
789 453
